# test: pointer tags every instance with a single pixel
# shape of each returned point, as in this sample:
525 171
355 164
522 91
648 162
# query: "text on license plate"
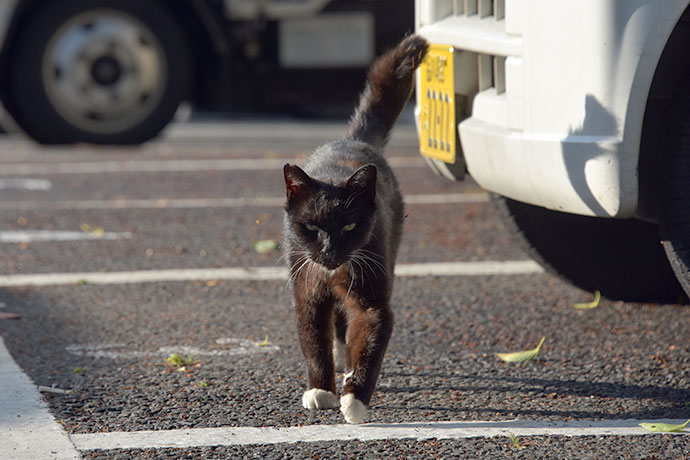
437 103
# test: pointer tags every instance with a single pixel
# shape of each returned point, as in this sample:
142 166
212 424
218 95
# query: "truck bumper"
555 108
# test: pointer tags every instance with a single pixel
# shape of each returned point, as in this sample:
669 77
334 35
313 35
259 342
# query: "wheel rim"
104 71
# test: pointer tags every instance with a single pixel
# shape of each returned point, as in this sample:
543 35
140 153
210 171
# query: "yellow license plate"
437 116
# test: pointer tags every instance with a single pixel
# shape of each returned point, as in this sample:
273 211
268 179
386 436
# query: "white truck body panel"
559 123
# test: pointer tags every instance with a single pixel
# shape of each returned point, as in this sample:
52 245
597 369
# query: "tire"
674 207
98 71
622 258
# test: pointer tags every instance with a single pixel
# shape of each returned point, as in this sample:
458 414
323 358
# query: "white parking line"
27 429
31 236
229 347
179 203
41 185
511 267
229 436
169 165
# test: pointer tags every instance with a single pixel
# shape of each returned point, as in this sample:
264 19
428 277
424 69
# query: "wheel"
674 208
624 259
99 71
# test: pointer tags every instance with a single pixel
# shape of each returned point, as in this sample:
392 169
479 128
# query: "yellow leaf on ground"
664 427
589 305
521 356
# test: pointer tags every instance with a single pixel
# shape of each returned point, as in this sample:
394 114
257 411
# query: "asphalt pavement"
162 239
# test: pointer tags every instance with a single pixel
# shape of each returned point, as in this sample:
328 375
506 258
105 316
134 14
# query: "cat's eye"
311 227
349 227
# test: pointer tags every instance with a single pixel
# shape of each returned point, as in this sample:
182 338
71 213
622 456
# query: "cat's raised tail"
388 87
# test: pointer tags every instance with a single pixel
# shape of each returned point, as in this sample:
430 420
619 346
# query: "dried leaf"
264 246
516 442
589 305
521 356
664 427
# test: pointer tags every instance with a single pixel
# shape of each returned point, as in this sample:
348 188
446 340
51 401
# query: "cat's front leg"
315 329
368 334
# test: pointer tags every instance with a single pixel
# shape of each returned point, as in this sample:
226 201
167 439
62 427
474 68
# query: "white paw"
319 399
339 355
347 376
353 409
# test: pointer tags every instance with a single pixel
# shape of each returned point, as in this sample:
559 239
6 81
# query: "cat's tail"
388 87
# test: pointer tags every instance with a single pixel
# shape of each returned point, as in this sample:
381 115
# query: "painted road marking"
232 347
486 268
41 185
178 203
32 236
234 436
27 429
154 166
283 131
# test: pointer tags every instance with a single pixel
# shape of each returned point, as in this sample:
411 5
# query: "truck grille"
483 8
491 72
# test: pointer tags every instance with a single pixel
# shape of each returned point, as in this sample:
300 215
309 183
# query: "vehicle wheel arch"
671 65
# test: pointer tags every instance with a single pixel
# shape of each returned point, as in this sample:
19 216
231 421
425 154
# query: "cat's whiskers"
355 259
293 253
367 258
350 270
302 261
312 265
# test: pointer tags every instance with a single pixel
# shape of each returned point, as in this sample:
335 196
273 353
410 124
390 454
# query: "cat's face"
330 222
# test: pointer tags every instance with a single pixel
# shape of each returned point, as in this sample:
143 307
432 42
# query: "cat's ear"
297 182
364 181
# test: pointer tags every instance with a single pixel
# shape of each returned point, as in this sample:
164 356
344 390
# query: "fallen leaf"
664 427
264 246
521 356
262 344
589 305
516 442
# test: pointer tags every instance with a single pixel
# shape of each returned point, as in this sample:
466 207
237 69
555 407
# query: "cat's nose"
329 252
329 255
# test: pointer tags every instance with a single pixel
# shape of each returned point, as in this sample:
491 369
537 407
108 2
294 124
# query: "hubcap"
104 71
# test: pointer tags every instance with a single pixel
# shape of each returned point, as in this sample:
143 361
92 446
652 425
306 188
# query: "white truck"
115 71
576 115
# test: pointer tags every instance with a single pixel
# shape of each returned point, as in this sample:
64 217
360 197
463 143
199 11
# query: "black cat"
342 227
